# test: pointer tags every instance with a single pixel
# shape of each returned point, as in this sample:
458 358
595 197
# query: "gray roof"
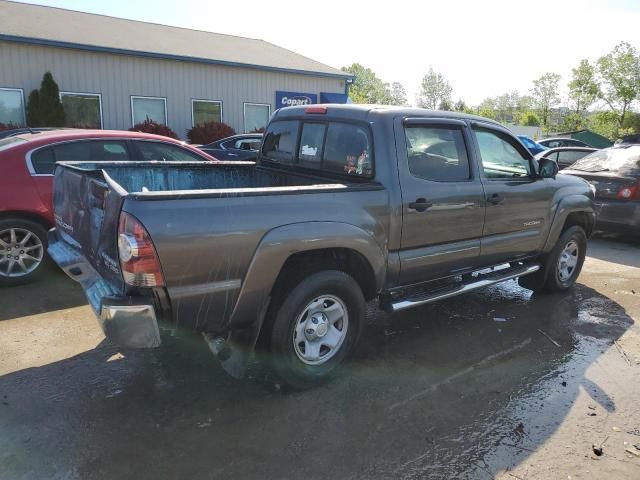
36 24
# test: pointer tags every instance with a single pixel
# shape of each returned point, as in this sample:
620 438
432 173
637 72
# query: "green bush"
44 108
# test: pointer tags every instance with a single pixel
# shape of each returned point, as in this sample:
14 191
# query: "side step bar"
423 298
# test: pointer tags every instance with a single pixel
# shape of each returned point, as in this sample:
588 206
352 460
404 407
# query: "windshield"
619 160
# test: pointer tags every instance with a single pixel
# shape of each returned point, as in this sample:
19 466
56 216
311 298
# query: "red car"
27 163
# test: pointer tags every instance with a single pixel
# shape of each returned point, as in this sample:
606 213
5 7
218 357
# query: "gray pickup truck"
345 204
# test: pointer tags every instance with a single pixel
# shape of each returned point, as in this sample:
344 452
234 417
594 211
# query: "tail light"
138 258
631 192
320 110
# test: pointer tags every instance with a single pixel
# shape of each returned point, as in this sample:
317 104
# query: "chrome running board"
425 297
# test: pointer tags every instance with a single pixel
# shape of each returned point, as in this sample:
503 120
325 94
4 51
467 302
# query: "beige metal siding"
117 77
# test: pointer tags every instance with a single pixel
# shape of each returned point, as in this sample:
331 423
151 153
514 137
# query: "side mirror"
548 168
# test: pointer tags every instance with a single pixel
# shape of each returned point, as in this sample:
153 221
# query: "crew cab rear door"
442 198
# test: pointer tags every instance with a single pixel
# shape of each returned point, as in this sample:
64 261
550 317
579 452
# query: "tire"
559 278
32 257
308 341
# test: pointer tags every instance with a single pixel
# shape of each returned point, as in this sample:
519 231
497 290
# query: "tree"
460 106
445 105
367 87
545 95
583 87
434 91
33 109
619 75
398 94
528 119
44 108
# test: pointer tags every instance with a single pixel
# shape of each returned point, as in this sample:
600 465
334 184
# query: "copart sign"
291 99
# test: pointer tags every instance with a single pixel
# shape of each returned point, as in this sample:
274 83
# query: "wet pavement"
495 384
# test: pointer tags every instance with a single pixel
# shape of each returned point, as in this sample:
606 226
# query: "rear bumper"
126 321
618 215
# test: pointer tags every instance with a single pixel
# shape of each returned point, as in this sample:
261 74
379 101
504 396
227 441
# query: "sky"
483 48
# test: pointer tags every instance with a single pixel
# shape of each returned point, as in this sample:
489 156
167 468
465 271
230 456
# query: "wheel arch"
572 210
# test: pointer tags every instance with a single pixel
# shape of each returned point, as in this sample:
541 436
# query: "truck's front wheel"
315 326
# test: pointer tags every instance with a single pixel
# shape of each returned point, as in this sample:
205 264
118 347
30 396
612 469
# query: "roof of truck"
364 110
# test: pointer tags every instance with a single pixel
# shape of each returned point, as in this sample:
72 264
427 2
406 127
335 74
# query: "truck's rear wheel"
315 326
23 246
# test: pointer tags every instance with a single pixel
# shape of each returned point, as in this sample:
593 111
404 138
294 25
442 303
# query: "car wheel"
566 259
23 251
315 326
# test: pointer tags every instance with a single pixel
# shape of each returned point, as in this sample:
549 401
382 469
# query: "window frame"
29 162
366 127
99 95
24 106
146 97
204 100
511 140
244 114
440 123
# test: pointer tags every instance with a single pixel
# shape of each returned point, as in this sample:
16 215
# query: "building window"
205 111
148 108
82 110
12 107
256 117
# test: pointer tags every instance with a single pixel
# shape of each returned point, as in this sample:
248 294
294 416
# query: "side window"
570 156
554 144
43 161
437 153
347 150
310 153
500 157
73 152
165 152
280 141
109 151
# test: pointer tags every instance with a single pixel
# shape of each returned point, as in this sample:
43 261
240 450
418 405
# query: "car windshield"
619 160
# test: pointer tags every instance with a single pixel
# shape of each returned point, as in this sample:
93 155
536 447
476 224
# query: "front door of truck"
442 198
518 204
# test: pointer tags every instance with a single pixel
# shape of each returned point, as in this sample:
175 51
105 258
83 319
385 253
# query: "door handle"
495 199
420 205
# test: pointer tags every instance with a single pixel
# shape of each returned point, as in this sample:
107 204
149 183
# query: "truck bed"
164 179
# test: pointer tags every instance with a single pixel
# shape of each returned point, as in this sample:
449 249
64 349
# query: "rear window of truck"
333 147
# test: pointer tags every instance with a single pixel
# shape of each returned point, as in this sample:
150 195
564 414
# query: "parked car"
614 173
346 204
236 147
565 156
562 142
531 145
28 161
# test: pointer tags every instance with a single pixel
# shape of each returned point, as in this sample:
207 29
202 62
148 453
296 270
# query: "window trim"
244 114
203 100
29 162
24 106
145 97
99 95
515 143
453 124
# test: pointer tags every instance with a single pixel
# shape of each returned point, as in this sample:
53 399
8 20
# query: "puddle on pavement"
442 391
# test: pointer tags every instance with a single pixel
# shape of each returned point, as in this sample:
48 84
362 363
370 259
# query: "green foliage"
583 87
33 109
528 119
368 88
619 75
545 95
50 111
604 123
445 105
487 112
435 90
460 106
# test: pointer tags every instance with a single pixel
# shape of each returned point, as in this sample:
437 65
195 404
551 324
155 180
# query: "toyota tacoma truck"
345 204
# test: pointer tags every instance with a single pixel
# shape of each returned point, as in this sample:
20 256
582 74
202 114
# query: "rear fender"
272 253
